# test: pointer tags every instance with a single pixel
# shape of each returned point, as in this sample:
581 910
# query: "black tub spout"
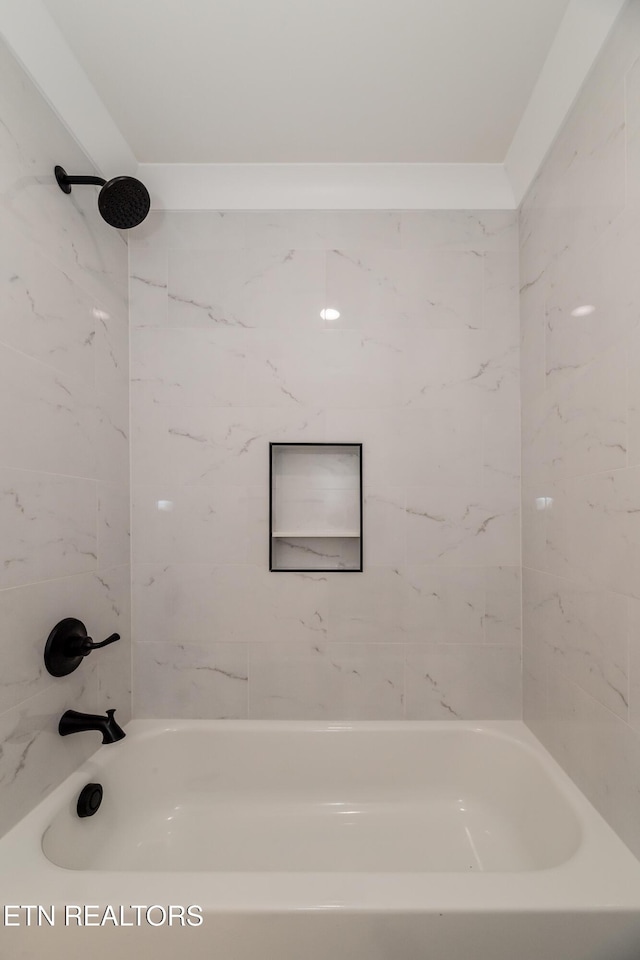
73 722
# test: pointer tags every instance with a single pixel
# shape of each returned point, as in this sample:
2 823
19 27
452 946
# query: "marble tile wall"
580 248
229 352
64 437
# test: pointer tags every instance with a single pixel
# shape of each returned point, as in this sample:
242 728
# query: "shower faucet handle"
68 644
84 645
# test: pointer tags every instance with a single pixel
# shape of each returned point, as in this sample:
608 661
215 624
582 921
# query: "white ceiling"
313 81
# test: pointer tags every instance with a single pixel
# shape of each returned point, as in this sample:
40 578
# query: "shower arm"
65 181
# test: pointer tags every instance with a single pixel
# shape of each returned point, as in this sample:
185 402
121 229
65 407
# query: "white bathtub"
307 841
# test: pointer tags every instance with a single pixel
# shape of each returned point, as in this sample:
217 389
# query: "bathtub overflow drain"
89 800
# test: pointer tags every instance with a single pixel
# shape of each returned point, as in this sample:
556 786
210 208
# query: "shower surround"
64 439
580 303
229 352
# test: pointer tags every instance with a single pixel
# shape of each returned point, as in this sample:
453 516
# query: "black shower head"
123 202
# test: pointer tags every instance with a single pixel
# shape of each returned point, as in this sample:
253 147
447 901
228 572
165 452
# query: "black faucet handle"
67 644
88 644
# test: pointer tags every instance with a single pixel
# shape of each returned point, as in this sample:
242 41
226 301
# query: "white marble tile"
462 525
328 368
29 613
362 228
460 604
471 367
441 605
111 613
537 234
463 682
587 633
534 692
538 498
190 524
632 102
582 634
378 429
587 425
247 289
42 312
69 231
315 553
111 353
114 537
580 425
599 751
365 606
285 229
384 522
426 403
209 604
185 681
51 426
501 295
190 366
66 229
114 675
587 190
301 509
34 757
503 605
501 467
633 640
322 230
64 375
533 375
316 489
535 649
195 230
536 591
318 681
478 230
49 526
441 447
221 446
288 370
588 279
633 399
148 283
366 370
112 435
579 248
593 533
428 289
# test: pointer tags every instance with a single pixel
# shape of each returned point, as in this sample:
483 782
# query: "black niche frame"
360 567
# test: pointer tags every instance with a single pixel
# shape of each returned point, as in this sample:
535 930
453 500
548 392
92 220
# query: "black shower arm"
98 181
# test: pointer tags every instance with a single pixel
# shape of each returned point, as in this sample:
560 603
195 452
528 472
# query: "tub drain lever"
68 644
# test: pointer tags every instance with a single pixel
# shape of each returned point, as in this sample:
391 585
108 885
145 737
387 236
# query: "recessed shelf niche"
315 507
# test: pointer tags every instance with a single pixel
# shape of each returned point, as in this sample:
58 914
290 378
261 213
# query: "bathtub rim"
601 875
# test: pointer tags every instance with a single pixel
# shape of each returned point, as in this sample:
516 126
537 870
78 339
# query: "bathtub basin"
444 841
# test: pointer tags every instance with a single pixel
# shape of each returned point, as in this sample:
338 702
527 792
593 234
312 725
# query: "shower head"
123 202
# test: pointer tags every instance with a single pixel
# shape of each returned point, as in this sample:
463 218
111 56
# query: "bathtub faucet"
73 722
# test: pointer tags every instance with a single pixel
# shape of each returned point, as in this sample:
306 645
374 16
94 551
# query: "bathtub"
310 841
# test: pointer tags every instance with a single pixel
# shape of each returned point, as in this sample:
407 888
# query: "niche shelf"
315 507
